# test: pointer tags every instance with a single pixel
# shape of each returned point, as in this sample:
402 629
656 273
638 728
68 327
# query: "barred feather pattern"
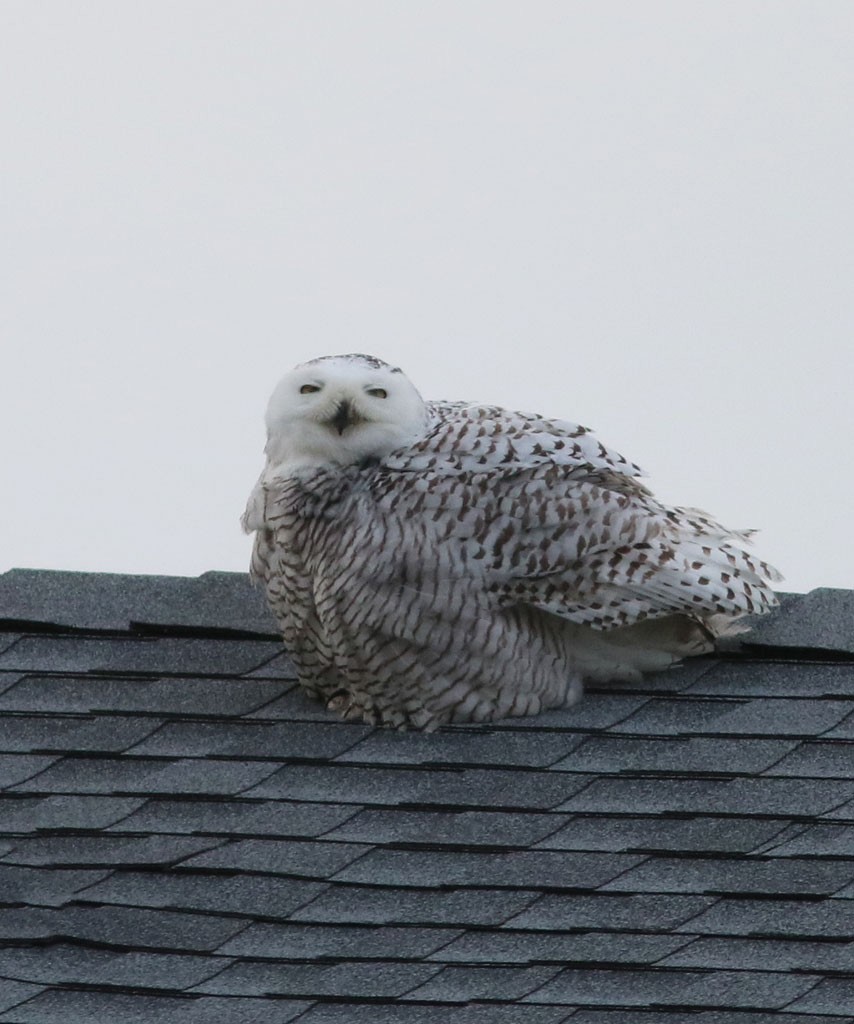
486 568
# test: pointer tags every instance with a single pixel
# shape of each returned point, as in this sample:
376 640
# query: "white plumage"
436 562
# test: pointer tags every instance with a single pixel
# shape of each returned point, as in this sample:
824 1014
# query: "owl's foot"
343 703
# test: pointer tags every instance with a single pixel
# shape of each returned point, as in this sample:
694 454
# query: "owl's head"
341 410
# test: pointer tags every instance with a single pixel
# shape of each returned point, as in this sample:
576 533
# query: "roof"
183 832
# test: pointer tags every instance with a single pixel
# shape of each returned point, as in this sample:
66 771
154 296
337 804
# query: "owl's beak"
343 417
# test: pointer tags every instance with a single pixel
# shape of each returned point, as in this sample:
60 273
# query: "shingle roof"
183 832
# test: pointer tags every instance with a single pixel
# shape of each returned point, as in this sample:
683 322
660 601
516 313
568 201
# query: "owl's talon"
340 702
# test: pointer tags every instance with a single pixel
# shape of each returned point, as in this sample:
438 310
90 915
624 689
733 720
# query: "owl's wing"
549 517
479 438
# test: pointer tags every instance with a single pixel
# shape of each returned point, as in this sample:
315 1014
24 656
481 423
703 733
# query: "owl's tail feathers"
629 653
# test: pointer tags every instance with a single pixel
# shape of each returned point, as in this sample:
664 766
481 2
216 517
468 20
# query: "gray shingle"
764 955
558 947
43 887
294 705
812 680
234 817
462 984
175 655
275 740
600 709
618 834
120 926
9 679
217 600
75 965
310 980
843 731
830 996
16 768
728 1016
314 942
404 1013
844 812
105 851
180 696
356 904
827 918
13 993
51 733
70 1007
816 841
465 828
607 911
685 716
279 667
762 796
470 746
447 840
284 857
472 787
30 814
820 620
250 895
138 775
832 759
683 988
551 869
725 875
611 753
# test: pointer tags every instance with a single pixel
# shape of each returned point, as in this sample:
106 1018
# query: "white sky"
635 215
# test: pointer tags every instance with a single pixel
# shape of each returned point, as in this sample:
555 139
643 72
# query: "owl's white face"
341 410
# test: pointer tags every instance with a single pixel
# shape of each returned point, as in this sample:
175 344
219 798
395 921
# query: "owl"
436 562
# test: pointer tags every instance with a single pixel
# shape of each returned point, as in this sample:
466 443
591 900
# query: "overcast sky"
634 215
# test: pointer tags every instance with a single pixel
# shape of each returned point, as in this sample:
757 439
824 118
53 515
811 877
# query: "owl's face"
342 410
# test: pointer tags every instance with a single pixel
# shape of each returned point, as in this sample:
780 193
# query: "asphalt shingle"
105 601
609 911
231 817
710 875
250 895
409 1013
661 834
104 850
117 776
336 942
49 733
69 1006
551 869
682 988
184 696
23 815
369 904
250 740
176 655
453 787
612 754
76 965
184 833
120 926
558 947
312 980
463 828
780 918
820 620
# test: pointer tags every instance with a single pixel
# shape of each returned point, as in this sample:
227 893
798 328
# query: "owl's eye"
308 389
378 392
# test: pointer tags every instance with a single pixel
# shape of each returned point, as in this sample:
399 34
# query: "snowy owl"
433 562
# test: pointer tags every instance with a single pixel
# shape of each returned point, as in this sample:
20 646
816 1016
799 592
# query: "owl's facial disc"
340 410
